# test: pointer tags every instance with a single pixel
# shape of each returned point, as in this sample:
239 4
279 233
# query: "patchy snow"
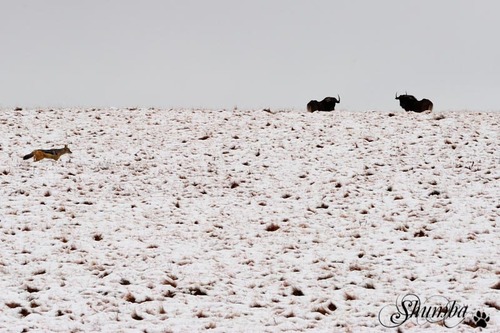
245 221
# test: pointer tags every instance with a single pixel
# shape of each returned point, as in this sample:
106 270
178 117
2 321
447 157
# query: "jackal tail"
30 155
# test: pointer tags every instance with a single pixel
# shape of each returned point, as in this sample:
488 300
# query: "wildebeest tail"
30 155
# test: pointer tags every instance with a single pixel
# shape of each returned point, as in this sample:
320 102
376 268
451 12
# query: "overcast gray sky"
249 54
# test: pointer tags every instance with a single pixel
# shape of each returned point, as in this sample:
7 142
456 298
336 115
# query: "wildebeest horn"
338 97
396 95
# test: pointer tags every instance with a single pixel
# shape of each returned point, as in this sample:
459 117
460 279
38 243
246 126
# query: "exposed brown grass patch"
297 292
197 291
24 312
135 316
170 282
12 305
349 297
201 314
492 304
129 297
272 227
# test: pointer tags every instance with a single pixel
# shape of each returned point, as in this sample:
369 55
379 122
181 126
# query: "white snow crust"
245 220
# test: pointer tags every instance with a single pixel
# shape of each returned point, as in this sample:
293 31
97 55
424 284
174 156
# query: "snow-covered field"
246 221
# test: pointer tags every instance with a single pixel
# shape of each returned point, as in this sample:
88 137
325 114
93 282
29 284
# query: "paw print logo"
481 319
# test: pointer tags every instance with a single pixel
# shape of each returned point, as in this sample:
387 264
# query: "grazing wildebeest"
410 103
327 104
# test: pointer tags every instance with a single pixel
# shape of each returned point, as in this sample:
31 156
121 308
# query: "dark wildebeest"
327 104
410 103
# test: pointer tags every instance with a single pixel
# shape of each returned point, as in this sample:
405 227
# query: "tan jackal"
54 154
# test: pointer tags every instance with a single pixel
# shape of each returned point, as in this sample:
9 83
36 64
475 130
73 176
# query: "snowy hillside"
245 221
